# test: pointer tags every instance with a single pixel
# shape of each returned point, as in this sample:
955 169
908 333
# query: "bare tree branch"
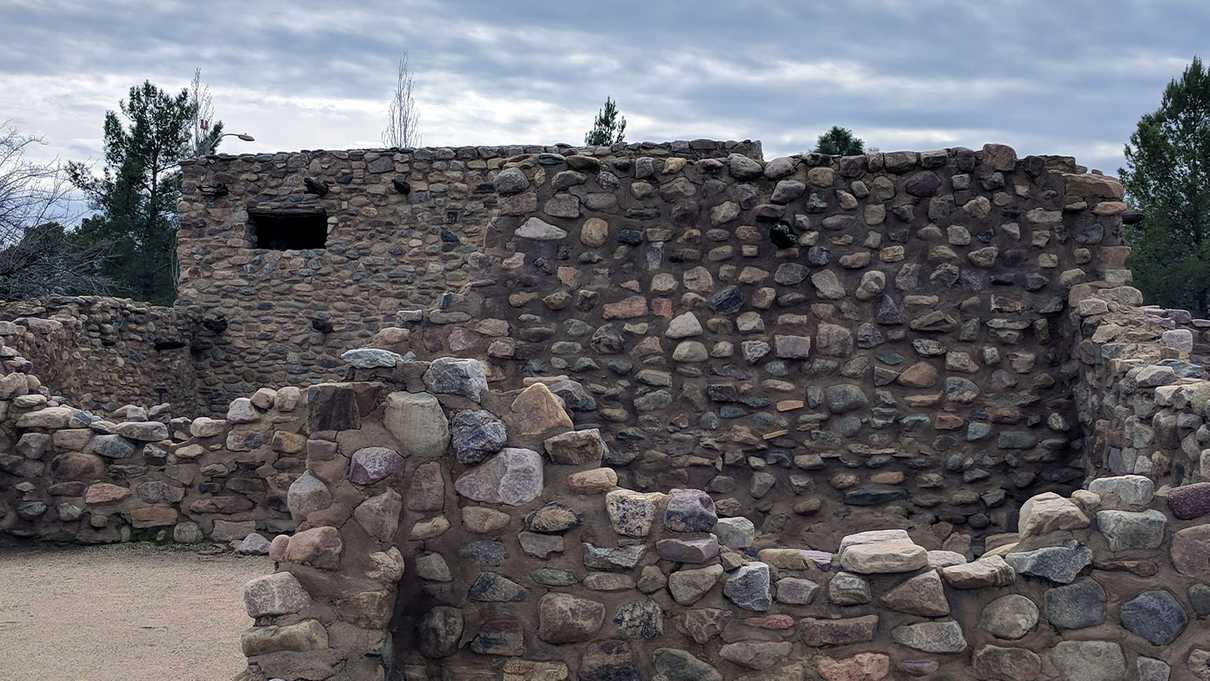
403 122
38 255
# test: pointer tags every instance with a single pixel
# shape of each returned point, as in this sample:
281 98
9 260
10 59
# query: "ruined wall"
879 339
449 532
104 353
72 475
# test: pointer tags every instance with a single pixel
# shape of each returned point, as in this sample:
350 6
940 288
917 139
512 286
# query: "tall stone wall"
451 532
879 339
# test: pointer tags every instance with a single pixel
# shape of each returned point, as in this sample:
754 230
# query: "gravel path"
134 612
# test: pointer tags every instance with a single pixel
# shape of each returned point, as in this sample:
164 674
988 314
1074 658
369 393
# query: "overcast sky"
1060 76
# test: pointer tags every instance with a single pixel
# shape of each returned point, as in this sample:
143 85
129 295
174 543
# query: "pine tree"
1167 178
135 197
839 141
608 128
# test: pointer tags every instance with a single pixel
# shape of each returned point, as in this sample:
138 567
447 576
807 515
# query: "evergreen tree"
839 141
137 192
608 128
1167 178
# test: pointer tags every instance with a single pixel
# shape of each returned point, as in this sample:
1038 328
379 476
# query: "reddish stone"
662 307
1190 501
319 546
153 516
1191 551
771 622
630 308
105 493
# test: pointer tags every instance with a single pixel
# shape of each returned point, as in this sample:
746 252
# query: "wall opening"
288 230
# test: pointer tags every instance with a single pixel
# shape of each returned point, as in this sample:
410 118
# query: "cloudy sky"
1060 76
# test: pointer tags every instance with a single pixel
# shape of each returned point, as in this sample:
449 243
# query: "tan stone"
594 481
1049 512
860 667
536 410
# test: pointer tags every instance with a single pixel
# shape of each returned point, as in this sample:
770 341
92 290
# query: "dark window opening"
288 231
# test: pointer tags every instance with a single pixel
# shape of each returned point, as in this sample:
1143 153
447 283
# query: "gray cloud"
1046 77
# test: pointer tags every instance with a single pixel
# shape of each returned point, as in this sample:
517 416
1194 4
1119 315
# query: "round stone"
1009 617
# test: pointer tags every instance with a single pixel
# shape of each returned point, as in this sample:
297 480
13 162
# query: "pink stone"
105 493
771 622
860 667
630 308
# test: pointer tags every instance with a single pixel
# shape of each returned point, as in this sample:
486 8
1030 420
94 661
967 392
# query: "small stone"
931 637
539 230
1059 564
1009 617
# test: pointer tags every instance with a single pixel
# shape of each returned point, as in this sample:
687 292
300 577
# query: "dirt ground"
133 612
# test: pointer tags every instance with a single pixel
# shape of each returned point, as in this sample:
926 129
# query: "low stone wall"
449 532
103 353
1142 392
67 474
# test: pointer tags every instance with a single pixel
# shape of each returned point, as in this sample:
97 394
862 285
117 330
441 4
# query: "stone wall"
104 353
72 475
451 532
878 338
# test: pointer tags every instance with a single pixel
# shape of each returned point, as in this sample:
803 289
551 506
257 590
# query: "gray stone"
456 376
619 558
275 594
1059 564
760 655
1130 530
1123 492
641 620
688 586
684 325
563 618
511 181
845 397
418 422
143 431
672 664
1154 615
306 495
1089 661
923 594
931 637
253 545
439 631
371 358
689 510
490 587
1009 617
513 477
112 446
1077 605
796 591
846 588
379 515
688 550
540 230
371 464
1151 669
577 448
749 587
735 533
475 435
827 285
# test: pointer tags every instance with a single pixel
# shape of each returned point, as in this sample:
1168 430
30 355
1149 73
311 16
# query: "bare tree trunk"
403 123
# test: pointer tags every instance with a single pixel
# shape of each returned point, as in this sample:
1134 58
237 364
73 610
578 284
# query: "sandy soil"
134 612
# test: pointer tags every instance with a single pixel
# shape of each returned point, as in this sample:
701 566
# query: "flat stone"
1009 617
688 550
1154 615
371 358
749 587
299 637
563 618
475 435
617 558
512 477
1131 530
795 590
491 587
759 655
143 431
859 667
735 533
848 589
1190 551
819 632
105 493
1059 564
985 572
1089 661
931 637
1123 492
883 557
1077 605
997 663
672 664
539 230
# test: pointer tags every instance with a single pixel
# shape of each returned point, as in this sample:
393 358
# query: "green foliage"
608 128
839 141
1167 178
137 192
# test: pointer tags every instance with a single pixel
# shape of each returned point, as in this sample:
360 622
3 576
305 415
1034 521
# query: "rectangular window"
282 230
